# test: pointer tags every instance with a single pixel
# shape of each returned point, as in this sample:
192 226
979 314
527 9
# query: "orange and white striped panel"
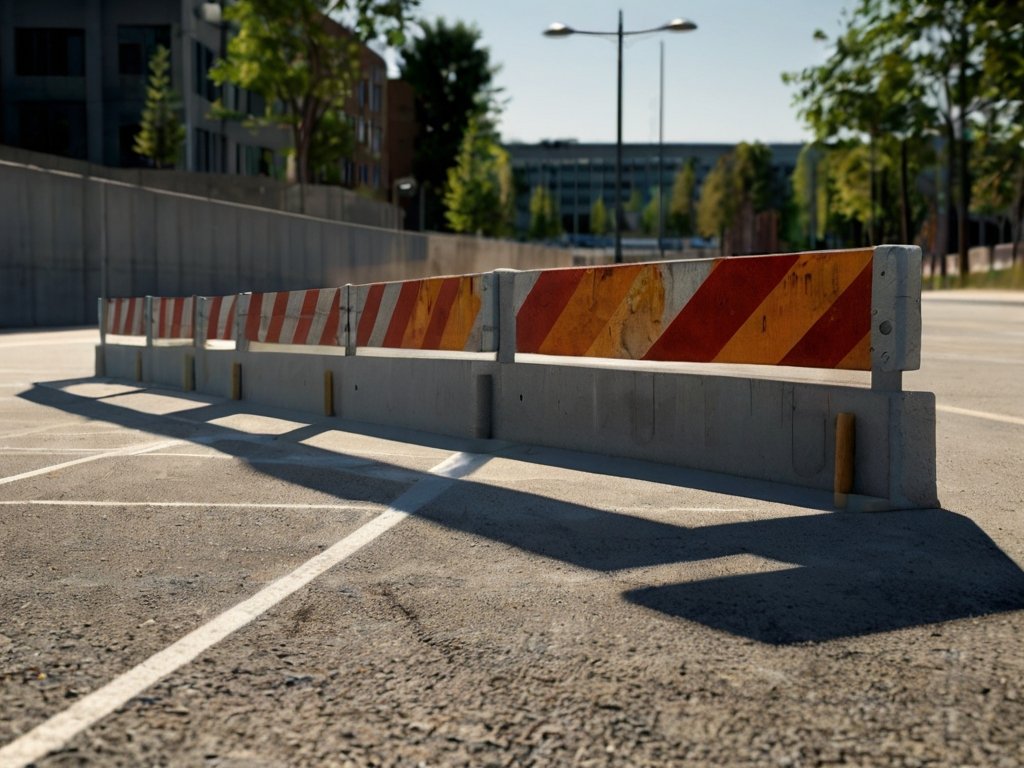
172 317
802 309
295 317
217 317
126 317
440 313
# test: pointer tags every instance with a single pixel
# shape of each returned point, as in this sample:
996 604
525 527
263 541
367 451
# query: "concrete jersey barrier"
858 310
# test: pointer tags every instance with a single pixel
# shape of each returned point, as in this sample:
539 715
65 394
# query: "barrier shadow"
829 576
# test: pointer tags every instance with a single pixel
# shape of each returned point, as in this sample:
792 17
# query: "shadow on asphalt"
842 574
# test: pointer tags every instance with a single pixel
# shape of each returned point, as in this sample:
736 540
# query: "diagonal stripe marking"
61 728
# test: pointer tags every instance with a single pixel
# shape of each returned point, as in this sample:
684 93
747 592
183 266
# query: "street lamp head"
680 25
557 29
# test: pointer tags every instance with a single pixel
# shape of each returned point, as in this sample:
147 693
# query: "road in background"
472 603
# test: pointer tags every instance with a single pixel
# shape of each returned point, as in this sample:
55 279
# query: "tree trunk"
905 223
963 206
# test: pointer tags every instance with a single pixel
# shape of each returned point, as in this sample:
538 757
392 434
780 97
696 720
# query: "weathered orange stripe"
463 316
128 324
177 310
229 325
589 309
636 322
214 318
839 330
808 291
403 311
369 315
306 314
543 305
730 293
859 358
252 321
329 337
422 310
114 321
277 317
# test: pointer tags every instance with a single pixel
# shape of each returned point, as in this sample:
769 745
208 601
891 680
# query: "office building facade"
577 174
73 78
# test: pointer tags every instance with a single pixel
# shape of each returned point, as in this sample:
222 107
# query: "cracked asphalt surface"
545 609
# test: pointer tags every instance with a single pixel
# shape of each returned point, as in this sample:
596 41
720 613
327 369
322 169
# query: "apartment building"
73 77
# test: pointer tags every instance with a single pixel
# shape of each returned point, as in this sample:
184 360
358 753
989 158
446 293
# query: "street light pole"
618 157
558 29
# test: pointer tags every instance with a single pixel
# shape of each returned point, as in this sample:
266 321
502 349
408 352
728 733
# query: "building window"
202 85
377 135
376 98
136 46
55 127
49 52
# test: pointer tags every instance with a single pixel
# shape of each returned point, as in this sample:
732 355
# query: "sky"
722 81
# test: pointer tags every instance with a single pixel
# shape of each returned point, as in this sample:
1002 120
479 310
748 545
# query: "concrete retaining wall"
56 228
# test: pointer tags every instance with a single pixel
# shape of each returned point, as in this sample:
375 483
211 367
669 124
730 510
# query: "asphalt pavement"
188 581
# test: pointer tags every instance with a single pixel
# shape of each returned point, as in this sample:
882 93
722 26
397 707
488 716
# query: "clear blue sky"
722 81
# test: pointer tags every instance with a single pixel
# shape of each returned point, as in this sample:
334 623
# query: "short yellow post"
236 381
845 448
328 393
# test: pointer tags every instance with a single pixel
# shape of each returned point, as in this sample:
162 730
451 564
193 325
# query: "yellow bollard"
236 381
845 447
328 393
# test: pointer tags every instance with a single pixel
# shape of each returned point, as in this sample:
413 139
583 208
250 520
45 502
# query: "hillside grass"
1004 279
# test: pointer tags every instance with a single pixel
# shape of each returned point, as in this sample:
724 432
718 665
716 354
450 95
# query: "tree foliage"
903 73
451 75
545 221
599 217
651 216
480 195
304 63
161 134
680 218
740 186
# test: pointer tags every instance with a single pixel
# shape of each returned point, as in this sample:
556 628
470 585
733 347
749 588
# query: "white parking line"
37 430
1001 417
61 728
131 451
187 504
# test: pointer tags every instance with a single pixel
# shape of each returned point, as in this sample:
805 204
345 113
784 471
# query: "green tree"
681 207
716 208
599 217
161 134
740 186
545 222
651 216
906 68
304 63
451 75
480 196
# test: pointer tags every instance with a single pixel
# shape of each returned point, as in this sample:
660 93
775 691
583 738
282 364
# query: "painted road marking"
48 342
981 414
61 728
188 504
95 457
37 430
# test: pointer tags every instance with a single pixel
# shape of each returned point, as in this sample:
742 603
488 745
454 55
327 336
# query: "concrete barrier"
854 309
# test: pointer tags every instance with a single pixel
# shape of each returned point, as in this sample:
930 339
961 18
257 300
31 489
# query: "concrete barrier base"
778 431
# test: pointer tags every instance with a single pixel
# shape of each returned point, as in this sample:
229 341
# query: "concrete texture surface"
548 608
